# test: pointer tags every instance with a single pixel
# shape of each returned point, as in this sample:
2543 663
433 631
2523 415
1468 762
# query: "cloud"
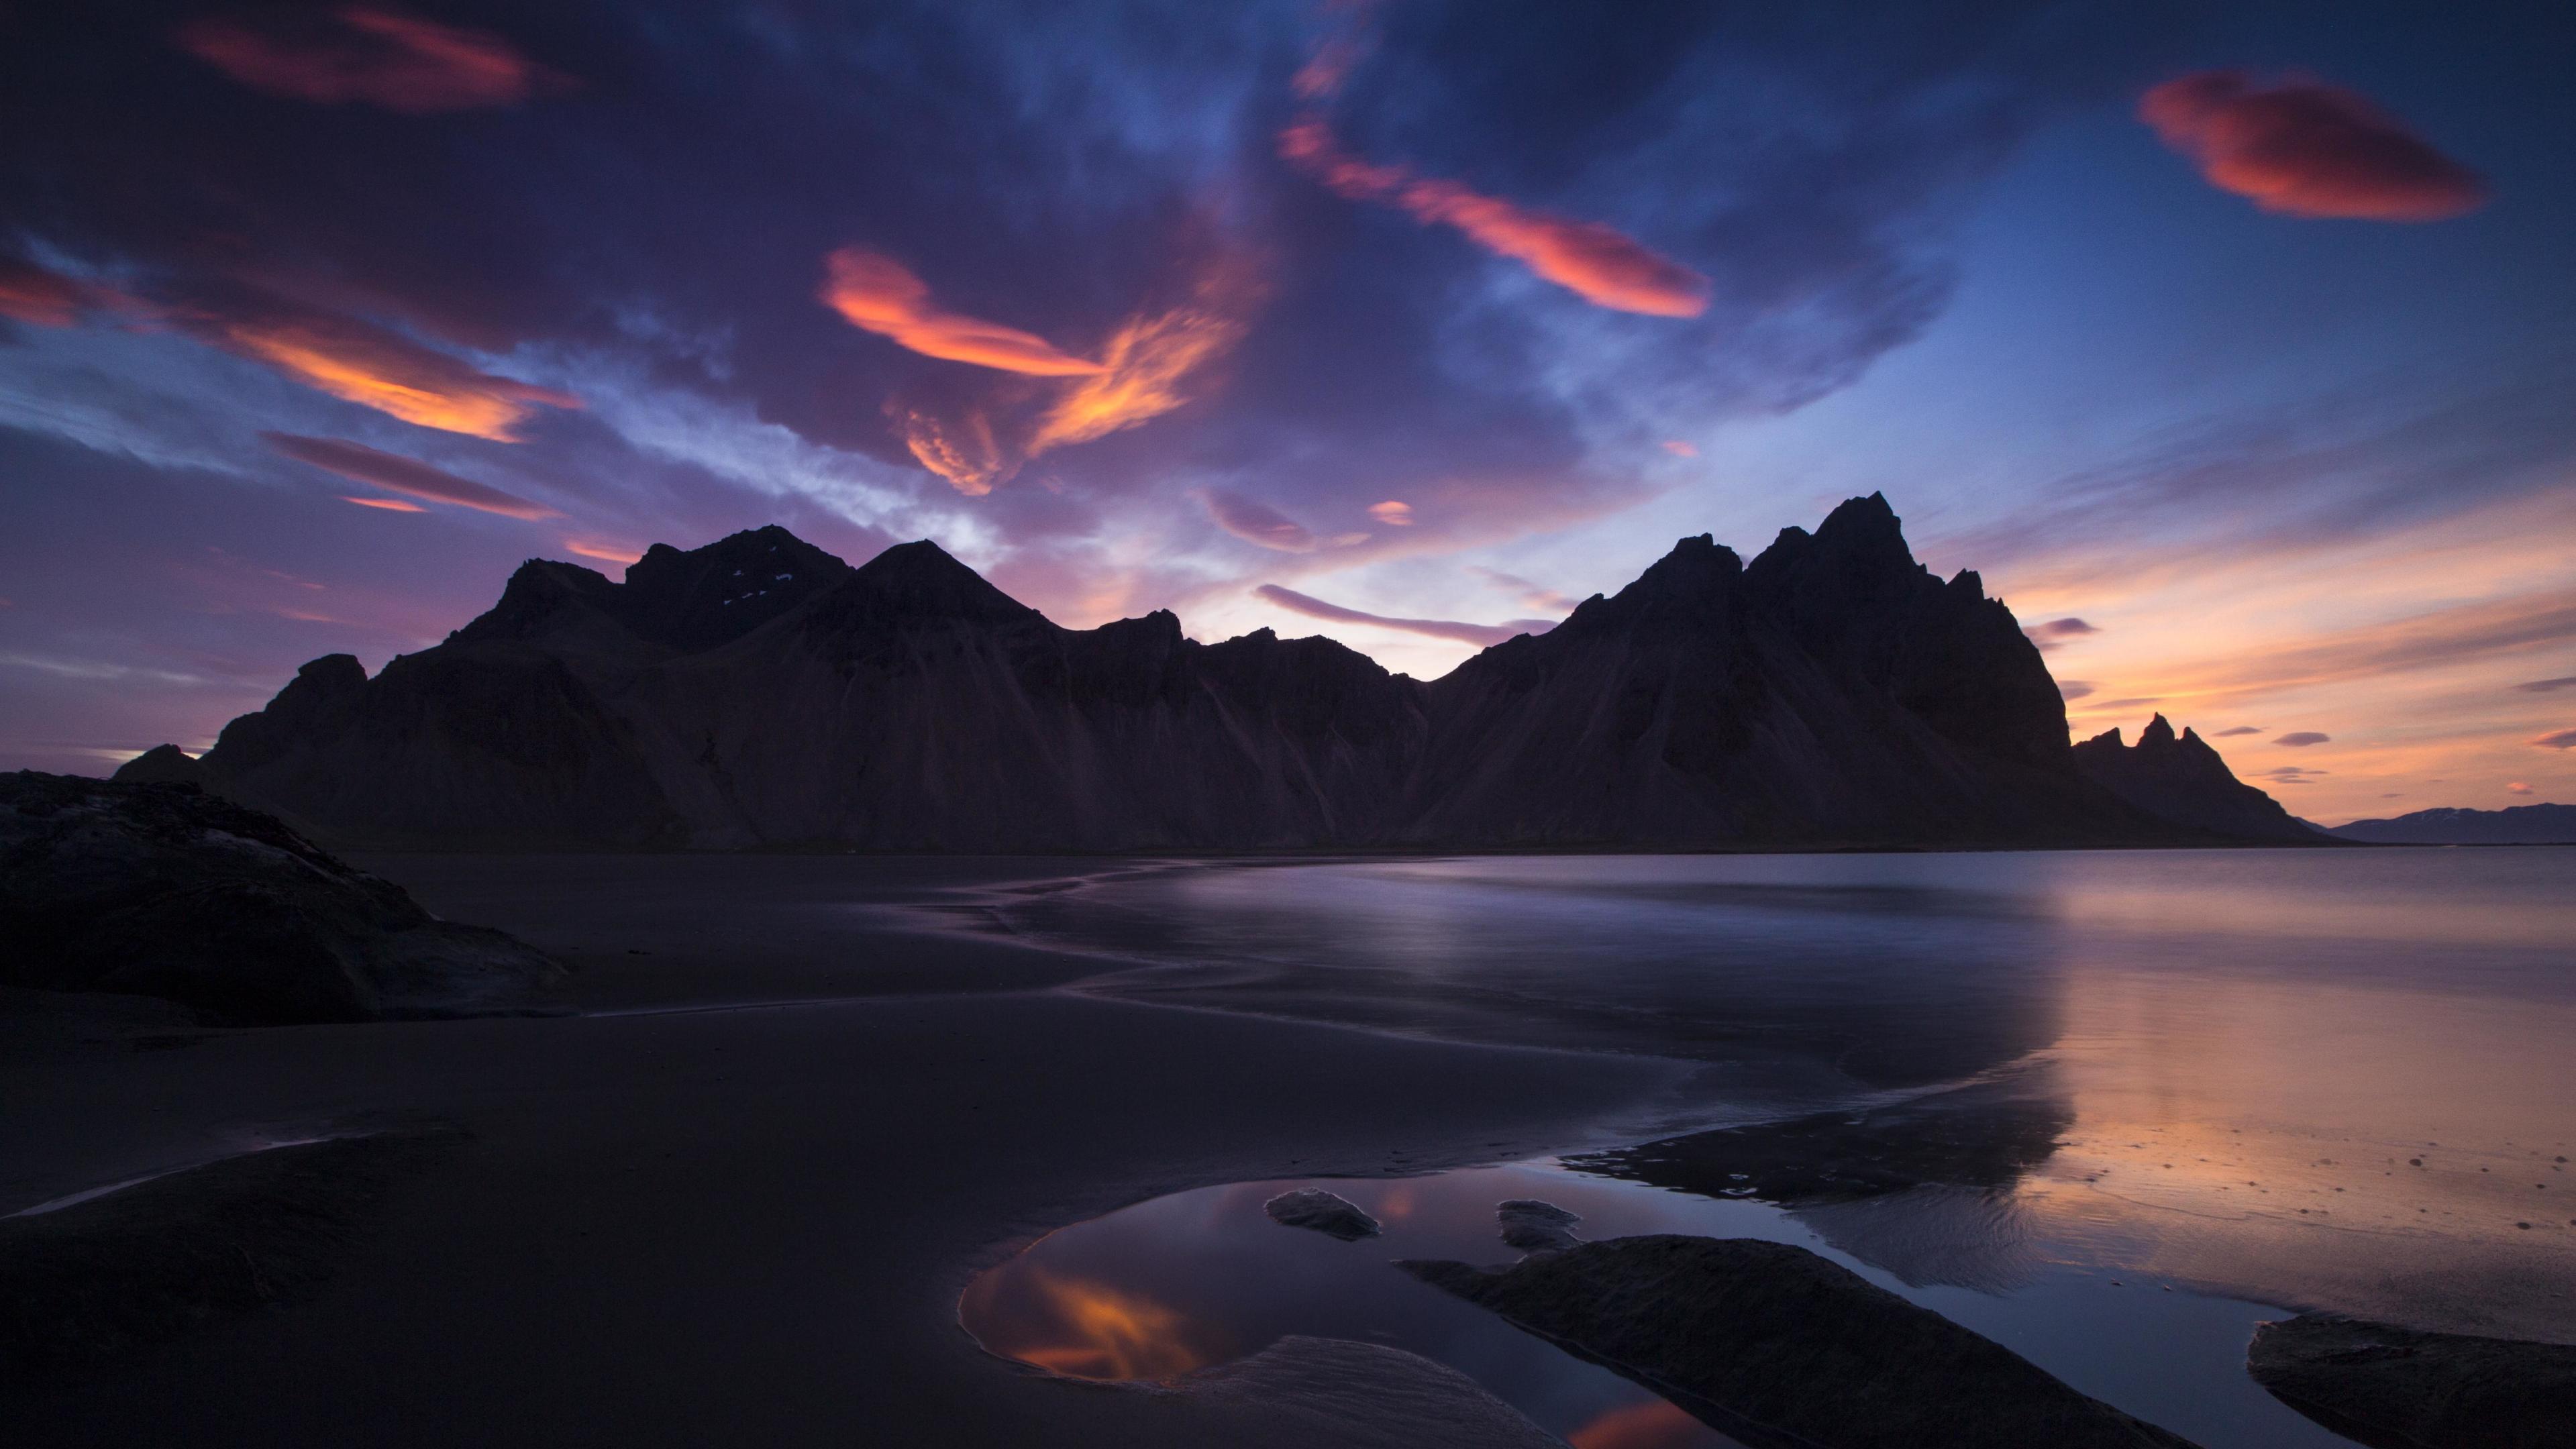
2545 686
878 294
373 54
1483 635
1680 448
1257 522
2073 689
2055 632
2517 787
390 505
399 474
31 294
1591 260
2301 147
1141 369
961 449
2291 775
2301 739
2131 703
2556 740
604 552
1394 513
2229 734
1531 596
373 367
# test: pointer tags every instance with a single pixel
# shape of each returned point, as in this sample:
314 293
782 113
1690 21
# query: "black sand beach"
685 1224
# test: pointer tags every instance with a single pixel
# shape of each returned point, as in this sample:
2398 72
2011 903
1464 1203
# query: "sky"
2233 345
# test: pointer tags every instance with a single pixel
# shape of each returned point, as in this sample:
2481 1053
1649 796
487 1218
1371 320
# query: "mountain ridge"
758 692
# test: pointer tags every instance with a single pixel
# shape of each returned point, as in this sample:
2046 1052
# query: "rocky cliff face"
759 692
2183 780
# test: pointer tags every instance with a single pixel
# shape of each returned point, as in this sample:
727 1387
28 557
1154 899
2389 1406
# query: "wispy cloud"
1257 522
1530 595
878 294
389 505
1483 635
1595 262
1394 513
2229 734
2301 739
2304 148
373 54
2557 740
1147 358
2548 686
373 367
363 464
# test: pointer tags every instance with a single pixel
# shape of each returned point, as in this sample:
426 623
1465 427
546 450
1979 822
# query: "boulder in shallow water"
1533 1226
1778 1347
1326 1213
159 889
2395 1388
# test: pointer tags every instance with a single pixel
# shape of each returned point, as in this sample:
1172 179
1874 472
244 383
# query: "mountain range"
760 692
2513 825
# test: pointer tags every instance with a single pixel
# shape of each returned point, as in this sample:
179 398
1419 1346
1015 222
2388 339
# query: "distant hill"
757 691
2514 825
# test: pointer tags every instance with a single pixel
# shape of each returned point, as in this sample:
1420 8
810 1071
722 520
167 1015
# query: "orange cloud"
604 552
1394 513
879 294
2517 788
2556 740
32 294
963 450
372 54
390 505
1593 261
379 369
1481 635
1142 368
398 474
2305 148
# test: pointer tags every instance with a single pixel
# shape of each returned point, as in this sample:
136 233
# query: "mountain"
2514 825
758 692
2184 781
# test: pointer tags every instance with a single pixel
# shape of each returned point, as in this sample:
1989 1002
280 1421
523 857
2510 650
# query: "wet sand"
690 1217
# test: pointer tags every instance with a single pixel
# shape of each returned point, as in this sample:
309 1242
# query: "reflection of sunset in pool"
1652 1425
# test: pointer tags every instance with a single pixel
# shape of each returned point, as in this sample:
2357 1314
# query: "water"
2333 1080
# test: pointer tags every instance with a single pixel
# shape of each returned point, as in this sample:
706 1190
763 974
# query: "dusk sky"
2233 345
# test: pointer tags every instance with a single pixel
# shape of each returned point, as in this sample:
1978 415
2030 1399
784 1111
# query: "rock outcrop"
756 692
159 889
1324 1212
2513 825
2183 781
1776 1346
2394 1388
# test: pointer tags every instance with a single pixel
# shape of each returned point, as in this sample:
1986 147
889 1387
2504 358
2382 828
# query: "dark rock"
1533 1226
2395 1388
1833 692
161 765
87 1287
164 890
2184 781
1326 1213
2513 825
1784 1350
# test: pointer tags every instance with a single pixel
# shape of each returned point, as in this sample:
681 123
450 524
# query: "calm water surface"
1997 1083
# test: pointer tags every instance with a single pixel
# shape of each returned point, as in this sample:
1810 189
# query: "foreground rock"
164 890
1783 1349
1327 1213
2394 1388
1830 691
1534 1226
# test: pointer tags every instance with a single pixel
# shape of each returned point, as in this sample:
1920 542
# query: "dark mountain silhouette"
759 692
2514 825
2183 780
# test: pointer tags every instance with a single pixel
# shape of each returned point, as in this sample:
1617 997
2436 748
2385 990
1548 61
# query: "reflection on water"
1224 1281
2333 1079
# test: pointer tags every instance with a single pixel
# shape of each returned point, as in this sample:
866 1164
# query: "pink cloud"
2301 147
390 505
1482 635
373 54
1593 261
1680 448
1257 523
878 294
398 474
1394 513
604 552
2517 788
2557 740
